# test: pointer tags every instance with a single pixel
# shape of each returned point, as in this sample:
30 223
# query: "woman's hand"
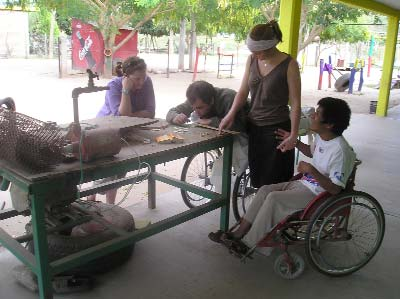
180 119
226 122
288 143
127 83
282 134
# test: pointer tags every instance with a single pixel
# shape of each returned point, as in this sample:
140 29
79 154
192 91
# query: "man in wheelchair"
332 163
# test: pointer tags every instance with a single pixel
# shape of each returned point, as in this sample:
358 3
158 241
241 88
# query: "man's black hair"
335 112
200 90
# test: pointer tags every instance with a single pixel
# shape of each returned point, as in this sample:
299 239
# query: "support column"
41 249
388 61
226 185
151 184
289 22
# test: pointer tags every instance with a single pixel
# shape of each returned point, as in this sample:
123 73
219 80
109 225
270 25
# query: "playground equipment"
224 60
345 80
371 49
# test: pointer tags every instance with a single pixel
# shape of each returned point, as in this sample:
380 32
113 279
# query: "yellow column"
289 22
388 61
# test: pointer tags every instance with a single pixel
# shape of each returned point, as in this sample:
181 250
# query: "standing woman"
131 93
273 79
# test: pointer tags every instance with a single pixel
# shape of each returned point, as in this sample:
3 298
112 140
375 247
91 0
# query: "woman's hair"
129 66
335 112
267 31
200 90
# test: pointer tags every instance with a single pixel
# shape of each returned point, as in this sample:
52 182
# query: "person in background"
273 80
131 93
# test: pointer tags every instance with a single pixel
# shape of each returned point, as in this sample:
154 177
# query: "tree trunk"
170 49
154 42
182 35
192 48
51 34
108 59
146 44
107 67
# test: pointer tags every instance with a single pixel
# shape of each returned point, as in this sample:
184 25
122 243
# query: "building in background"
14 33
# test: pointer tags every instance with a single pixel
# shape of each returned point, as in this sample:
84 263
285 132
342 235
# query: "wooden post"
388 61
198 50
289 22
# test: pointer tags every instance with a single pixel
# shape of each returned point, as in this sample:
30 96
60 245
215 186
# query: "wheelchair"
197 171
341 234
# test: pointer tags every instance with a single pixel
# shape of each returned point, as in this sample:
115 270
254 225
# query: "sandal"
238 248
221 237
216 236
228 237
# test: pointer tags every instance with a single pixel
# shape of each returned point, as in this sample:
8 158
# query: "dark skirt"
268 165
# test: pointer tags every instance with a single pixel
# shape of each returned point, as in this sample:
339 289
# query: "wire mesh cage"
31 143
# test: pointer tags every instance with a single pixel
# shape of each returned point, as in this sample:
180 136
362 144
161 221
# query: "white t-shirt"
334 159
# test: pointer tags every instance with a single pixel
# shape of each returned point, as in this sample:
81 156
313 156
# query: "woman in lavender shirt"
130 94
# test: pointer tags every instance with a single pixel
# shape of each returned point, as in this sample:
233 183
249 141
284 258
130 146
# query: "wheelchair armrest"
313 205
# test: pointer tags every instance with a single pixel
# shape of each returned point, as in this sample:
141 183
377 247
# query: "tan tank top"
269 94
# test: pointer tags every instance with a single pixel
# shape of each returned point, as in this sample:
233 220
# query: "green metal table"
46 188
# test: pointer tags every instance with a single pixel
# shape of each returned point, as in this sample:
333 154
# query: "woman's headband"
260 45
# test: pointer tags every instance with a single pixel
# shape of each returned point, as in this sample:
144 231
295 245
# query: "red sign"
88 47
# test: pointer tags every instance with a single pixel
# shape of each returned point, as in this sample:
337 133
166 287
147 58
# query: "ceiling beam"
372 6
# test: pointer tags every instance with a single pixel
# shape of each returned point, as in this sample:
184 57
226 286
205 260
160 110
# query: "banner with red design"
88 47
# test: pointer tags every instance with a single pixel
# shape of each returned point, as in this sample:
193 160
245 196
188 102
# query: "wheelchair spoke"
197 171
348 237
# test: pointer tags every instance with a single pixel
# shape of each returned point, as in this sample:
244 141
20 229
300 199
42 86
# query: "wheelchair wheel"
289 267
242 194
345 233
197 171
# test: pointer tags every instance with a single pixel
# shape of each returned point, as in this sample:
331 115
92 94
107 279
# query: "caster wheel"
288 270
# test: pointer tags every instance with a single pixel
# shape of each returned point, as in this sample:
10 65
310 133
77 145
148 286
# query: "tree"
316 16
320 15
41 23
108 16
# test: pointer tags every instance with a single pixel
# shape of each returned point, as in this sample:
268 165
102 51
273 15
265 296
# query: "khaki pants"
270 205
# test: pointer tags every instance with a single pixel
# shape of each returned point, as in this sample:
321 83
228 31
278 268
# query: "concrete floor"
183 263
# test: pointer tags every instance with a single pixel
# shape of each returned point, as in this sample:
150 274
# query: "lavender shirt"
142 99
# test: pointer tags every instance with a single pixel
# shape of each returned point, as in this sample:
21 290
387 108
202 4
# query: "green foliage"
64 23
212 16
325 12
345 33
21 4
238 17
348 31
68 9
158 29
105 15
216 16
39 23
